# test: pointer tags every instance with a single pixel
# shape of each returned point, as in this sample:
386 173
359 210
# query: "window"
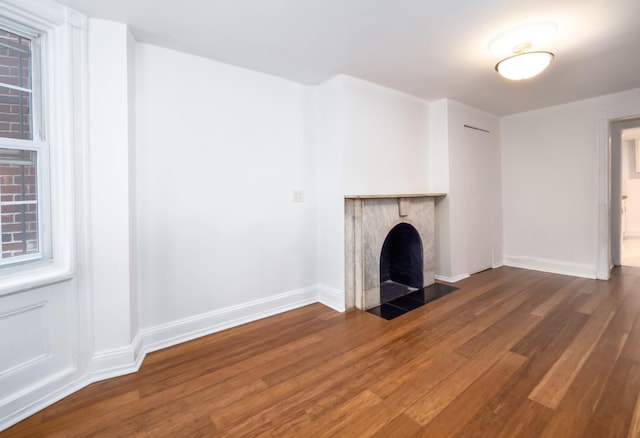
23 153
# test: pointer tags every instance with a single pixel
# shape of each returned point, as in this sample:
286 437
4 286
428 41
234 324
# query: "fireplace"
389 241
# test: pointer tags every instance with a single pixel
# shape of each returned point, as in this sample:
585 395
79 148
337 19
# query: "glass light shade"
524 65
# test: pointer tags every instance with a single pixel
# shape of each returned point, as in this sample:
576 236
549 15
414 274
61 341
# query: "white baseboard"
552 266
333 298
176 332
38 396
451 279
117 362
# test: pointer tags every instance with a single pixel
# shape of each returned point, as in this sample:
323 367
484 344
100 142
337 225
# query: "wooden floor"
511 353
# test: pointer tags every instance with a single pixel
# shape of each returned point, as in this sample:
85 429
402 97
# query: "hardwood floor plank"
542 346
338 371
554 385
400 427
593 295
632 347
510 315
565 292
458 413
327 425
436 400
84 421
614 414
529 420
585 394
425 378
453 341
634 427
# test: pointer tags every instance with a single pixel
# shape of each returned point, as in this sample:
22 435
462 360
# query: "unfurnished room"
305 218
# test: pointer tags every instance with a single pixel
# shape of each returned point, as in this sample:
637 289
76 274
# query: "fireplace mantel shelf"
408 195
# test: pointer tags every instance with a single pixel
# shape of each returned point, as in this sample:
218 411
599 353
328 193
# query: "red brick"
11 228
12 246
10 188
8 169
11 209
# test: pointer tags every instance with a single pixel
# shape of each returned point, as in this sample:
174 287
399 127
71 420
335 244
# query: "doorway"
625 193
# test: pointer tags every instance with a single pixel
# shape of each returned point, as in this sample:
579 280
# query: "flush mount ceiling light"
524 65
518 42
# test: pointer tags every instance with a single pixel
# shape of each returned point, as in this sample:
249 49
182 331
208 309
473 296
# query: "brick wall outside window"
15 69
19 221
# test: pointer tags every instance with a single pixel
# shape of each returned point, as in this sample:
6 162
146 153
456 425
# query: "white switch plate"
298 196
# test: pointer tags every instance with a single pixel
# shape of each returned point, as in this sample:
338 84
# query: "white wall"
220 151
386 137
329 168
110 139
550 185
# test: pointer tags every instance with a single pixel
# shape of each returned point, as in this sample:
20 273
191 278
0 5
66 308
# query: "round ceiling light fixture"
524 65
516 42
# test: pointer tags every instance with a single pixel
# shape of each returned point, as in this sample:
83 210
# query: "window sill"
33 277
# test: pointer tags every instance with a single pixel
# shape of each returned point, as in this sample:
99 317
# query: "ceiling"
428 48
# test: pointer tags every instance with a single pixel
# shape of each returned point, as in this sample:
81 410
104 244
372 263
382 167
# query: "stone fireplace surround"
368 220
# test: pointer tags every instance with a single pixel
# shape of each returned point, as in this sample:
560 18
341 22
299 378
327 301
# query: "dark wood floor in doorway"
511 353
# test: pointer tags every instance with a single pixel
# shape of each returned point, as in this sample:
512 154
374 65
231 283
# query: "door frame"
616 129
603 143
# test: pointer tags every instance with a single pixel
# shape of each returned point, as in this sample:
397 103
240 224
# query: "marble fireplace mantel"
368 220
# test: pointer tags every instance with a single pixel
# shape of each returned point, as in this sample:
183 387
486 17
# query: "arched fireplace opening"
401 263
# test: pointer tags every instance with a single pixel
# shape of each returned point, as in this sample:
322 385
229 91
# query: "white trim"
333 298
454 279
52 391
58 71
118 361
552 266
603 237
176 332
35 13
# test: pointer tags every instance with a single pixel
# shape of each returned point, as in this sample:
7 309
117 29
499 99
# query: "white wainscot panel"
23 341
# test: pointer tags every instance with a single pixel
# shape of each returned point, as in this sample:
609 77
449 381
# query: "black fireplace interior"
401 275
401 263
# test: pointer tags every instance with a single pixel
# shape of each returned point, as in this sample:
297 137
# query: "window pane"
15 114
15 60
19 230
15 71
18 202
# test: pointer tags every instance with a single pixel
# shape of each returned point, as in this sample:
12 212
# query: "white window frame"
62 42
38 144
